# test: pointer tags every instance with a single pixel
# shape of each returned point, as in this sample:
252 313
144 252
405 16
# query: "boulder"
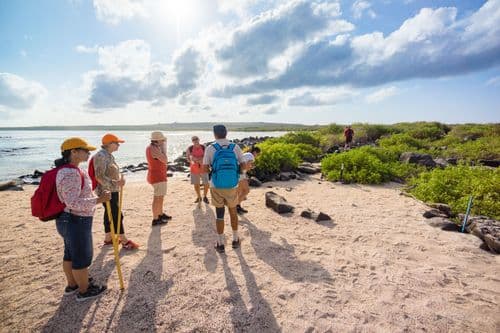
254 182
438 222
308 168
309 214
490 163
278 203
322 217
441 162
452 161
7 185
493 243
433 213
182 160
485 228
416 158
443 208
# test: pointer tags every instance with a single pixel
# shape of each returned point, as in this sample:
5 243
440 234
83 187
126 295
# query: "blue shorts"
77 234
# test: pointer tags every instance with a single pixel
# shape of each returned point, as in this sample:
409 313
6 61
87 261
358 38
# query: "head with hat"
220 131
74 150
111 142
157 136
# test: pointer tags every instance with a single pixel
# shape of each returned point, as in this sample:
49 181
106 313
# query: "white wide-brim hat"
157 136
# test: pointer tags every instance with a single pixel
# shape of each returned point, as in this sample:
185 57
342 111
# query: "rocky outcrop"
416 158
309 214
485 228
308 168
254 182
278 203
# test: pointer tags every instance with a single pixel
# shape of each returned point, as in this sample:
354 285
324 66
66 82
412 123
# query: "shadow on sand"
204 233
282 256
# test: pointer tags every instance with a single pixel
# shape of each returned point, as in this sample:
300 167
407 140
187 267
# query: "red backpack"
45 203
91 171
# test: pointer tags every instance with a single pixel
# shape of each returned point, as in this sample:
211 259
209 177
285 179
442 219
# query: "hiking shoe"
158 222
165 217
130 245
71 290
219 248
205 200
236 244
241 210
198 200
93 291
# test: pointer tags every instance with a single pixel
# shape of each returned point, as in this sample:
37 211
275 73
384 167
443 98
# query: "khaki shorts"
160 189
196 177
221 197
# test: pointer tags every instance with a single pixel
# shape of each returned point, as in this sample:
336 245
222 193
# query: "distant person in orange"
195 154
107 174
156 154
348 134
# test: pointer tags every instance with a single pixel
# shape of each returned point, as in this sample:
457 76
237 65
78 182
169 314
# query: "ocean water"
22 152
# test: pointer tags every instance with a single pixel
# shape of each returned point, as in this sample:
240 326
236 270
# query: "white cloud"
86 49
381 94
359 7
19 93
494 81
114 11
431 44
271 110
262 99
127 75
329 97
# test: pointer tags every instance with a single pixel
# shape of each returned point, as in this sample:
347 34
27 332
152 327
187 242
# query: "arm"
100 169
239 157
158 154
207 159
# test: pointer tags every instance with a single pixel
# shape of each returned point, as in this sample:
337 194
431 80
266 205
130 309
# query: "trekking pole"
114 238
119 212
342 172
466 217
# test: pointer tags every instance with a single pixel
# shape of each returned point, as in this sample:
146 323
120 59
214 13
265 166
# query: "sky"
83 62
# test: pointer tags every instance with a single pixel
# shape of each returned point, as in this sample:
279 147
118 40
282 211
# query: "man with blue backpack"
223 160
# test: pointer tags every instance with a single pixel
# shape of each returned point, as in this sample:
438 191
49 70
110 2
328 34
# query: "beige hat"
158 136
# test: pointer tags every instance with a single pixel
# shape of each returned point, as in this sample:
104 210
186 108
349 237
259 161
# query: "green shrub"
483 148
275 157
331 129
402 142
360 166
423 130
310 138
370 133
306 152
454 185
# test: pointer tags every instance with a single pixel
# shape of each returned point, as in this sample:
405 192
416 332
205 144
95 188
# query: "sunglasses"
83 149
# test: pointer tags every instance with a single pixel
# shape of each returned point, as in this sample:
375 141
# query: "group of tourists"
221 167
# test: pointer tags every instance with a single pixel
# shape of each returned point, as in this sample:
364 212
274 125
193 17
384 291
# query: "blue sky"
72 62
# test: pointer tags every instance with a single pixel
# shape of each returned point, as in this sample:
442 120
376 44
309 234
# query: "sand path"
377 267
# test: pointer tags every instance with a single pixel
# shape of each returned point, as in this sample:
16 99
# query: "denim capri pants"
76 232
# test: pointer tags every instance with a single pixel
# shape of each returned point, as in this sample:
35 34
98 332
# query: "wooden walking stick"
114 238
119 211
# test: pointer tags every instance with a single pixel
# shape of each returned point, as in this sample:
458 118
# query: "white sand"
378 267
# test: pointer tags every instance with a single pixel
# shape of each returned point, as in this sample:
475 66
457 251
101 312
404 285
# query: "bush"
310 138
403 142
275 157
482 148
423 130
454 185
306 152
360 166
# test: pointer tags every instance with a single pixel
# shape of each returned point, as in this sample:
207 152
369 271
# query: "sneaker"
219 248
71 290
92 292
130 245
205 200
198 200
241 210
165 217
158 221
236 244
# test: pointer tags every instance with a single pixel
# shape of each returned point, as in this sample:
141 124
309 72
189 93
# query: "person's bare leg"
68 271
206 187
197 190
82 279
234 218
157 206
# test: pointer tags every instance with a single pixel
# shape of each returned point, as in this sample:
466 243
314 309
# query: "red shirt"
197 153
157 170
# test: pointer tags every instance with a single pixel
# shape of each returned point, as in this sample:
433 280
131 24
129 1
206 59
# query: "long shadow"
203 234
282 257
70 314
145 288
260 317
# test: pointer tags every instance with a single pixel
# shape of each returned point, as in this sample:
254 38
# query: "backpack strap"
217 146
231 146
190 148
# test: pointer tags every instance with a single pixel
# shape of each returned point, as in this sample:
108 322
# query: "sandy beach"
376 267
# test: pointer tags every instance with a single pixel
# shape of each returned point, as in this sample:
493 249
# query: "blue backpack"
225 167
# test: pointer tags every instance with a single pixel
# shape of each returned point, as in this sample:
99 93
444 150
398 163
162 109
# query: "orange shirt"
157 170
197 153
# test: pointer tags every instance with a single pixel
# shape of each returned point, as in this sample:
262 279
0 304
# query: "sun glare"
179 14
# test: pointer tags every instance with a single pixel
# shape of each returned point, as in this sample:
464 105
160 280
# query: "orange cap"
109 138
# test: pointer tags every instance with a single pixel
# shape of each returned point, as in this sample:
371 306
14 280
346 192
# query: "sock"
235 235
220 239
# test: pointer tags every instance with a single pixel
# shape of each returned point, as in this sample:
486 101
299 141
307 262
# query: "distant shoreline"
202 126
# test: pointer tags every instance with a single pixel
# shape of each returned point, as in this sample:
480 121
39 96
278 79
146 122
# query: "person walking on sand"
348 134
194 155
243 187
107 174
224 159
74 189
156 154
